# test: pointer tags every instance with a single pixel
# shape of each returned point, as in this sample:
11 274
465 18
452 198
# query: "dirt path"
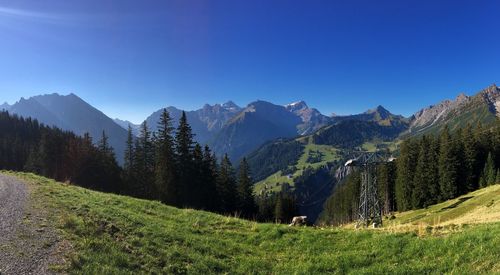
28 245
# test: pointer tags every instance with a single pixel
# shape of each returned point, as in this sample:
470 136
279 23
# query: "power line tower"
369 211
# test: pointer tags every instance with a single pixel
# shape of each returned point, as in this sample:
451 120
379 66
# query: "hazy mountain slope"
205 122
4 106
484 107
32 108
258 123
125 123
73 114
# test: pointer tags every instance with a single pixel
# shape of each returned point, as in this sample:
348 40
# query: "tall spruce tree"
489 172
210 180
405 174
128 161
165 166
184 149
246 198
110 169
144 164
448 167
226 186
198 196
425 188
386 179
470 168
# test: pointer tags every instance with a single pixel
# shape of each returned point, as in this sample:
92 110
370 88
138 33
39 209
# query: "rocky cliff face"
432 114
480 108
491 96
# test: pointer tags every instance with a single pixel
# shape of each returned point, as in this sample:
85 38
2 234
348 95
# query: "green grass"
374 145
120 235
479 206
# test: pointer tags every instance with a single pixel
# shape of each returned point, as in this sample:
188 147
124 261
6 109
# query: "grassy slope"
274 181
120 235
476 207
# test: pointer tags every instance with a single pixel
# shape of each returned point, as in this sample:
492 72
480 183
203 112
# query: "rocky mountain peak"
230 105
492 90
462 97
297 106
380 111
492 97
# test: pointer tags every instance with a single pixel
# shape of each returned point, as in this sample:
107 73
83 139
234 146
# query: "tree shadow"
460 201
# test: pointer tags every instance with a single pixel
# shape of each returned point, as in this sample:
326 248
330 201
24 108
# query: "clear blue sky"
129 58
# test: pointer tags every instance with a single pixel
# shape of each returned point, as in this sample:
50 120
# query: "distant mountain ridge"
71 113
238 131
483 107
205 122
4 106
125 124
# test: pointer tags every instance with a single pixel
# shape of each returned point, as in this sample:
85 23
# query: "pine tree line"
428 170
26 145
165 165
168 165
434 169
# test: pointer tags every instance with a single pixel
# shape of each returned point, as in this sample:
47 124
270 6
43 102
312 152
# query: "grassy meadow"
113 234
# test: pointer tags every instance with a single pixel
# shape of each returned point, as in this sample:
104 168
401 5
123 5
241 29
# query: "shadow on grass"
460 201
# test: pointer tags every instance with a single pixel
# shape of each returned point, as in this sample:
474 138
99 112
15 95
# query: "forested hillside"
429 169
26 145
166 165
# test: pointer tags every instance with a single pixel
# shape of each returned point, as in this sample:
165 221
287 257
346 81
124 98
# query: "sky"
130 58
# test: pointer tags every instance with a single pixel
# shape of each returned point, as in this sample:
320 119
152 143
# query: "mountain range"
71 113
238 131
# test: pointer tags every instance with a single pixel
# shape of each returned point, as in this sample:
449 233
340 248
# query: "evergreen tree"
279 213
470 168
184 149
245 190
103 145
198 195
226 186
212 201
425 188
285 208
165 166
405 174
110 169
144 163
489 172
448 167
386 179
129 152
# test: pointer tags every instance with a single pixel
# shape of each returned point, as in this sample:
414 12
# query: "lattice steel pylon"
369 211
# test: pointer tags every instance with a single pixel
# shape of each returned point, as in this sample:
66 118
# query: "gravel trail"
28 245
